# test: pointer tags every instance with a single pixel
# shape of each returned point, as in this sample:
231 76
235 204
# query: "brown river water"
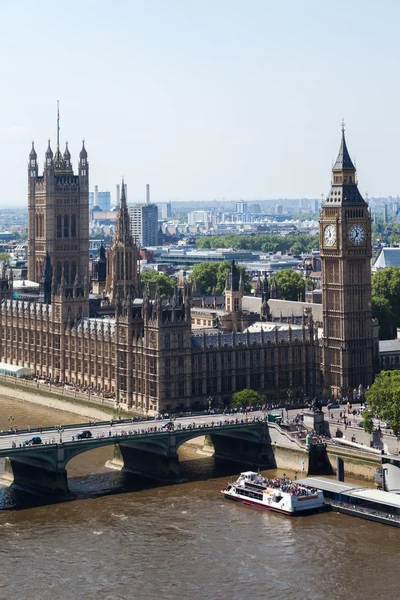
127 538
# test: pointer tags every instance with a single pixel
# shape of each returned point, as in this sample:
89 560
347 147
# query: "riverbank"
50 399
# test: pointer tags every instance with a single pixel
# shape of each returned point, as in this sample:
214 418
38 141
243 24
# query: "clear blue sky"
203 99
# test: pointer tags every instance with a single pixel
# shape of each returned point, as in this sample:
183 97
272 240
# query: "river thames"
126 538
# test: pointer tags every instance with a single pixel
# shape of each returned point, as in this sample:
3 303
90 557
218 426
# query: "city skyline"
222 101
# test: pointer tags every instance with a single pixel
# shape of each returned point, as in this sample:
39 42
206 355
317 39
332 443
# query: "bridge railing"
138 433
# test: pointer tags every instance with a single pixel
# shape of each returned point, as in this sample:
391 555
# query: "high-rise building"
346 251
241 207
279 209
58 215
165 210
144 224
197 216
254 208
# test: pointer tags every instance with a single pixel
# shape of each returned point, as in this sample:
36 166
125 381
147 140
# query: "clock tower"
346 250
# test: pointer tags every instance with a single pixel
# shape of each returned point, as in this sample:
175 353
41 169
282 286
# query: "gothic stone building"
142 348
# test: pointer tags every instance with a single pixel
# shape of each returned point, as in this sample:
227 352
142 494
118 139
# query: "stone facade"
142 349
349 347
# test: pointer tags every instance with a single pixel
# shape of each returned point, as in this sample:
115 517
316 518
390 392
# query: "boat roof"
248 473
330 485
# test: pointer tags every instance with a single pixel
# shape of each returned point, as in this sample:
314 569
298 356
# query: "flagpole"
58 124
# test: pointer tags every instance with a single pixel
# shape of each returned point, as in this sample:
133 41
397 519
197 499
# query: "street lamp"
11 421
210 400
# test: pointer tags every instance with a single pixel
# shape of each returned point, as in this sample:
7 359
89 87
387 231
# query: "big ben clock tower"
346 250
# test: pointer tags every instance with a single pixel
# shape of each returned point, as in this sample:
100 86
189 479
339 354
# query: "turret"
33 166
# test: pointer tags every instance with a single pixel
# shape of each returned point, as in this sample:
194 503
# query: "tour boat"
279 495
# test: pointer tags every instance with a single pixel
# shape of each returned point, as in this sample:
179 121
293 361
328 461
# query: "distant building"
241 207
165 210
279 209
144 224
254 208
196 216
102 200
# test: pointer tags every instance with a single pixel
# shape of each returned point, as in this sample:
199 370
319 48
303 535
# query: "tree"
245 398
290 283
204 276
382 310
383 398
166 284
4 257
210 277
386 300
368 421
296 249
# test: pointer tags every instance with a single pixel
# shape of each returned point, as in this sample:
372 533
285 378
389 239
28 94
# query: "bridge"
145 447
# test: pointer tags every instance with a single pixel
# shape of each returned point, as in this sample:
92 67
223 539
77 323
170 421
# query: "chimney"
147 193
96 195
118 194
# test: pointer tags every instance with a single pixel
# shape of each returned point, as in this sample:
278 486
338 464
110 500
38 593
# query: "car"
384 424
84 435
361 424
33 441
333 405
168 425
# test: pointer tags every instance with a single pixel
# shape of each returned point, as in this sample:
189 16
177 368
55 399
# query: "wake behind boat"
279 495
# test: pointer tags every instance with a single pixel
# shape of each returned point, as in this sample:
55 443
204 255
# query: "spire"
49 151
123 196
67 154
33 155
123 225
343 161
83 153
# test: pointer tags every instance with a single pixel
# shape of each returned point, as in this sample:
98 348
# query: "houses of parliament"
104 331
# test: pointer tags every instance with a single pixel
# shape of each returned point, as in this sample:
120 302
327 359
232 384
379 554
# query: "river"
125 538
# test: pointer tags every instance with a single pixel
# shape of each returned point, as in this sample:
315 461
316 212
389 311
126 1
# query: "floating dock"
357 500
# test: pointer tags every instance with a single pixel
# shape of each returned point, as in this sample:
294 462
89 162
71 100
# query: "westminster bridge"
143 447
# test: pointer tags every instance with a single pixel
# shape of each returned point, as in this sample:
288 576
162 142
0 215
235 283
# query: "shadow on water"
110 483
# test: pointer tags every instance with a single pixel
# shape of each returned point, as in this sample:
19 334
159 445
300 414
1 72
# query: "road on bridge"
68 434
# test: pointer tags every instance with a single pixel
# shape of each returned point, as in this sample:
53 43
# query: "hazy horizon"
225 100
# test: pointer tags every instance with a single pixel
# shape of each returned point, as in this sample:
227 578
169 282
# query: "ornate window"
73 226
73 272
66 226
66 272
59 226
58 272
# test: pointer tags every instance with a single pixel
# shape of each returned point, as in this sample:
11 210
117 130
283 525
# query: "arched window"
59 226
73 272
73 226
66 226
58 272
41 225
66 272
37 225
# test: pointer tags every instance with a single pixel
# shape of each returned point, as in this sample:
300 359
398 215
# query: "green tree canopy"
367 421
209 276
383 398
386 300
382 310
266 242
4 257
166 284
245 398
291 284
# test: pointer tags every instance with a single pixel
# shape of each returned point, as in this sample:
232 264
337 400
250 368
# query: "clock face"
329 235
357 235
